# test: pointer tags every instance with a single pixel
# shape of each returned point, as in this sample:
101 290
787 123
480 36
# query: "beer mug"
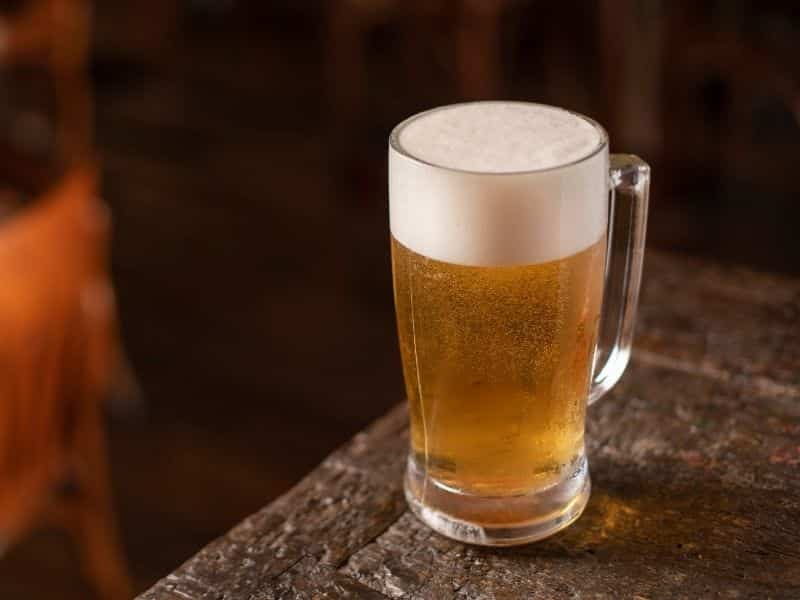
501 216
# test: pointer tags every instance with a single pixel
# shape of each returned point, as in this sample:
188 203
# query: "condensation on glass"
501 216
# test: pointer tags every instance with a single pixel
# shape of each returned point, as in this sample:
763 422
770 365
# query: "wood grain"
695 460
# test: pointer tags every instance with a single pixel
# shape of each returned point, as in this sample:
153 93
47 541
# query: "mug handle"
629 178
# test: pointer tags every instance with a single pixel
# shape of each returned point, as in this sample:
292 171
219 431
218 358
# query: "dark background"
243 147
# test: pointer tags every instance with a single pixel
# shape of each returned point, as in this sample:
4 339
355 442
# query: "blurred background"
241 148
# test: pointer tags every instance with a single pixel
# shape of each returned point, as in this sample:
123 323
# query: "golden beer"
499 214
497 363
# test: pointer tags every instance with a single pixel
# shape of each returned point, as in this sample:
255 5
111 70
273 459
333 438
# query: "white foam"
497 183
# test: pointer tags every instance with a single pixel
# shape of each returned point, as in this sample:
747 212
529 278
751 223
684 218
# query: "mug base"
497 520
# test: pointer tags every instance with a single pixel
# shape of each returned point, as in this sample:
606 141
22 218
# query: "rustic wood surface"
695 460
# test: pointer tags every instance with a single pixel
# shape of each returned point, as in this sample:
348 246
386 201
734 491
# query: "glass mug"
500 217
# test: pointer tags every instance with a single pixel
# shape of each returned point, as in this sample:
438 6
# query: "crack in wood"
761 385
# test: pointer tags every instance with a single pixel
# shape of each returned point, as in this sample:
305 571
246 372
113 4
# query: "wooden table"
695 460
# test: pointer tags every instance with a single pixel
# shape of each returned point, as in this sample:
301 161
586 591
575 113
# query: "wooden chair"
59 348
472 43
709 92
699 48
690 45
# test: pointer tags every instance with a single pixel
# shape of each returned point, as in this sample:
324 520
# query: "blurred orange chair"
56 352
59 348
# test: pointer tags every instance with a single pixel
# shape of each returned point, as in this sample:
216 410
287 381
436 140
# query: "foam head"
498 183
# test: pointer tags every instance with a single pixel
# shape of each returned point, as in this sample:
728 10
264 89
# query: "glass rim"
394 140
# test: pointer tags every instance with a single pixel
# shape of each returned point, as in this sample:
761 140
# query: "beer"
498 214
497 363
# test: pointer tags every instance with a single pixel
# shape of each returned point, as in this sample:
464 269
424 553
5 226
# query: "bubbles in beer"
497 364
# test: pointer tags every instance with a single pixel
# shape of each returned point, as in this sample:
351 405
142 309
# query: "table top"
695 462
